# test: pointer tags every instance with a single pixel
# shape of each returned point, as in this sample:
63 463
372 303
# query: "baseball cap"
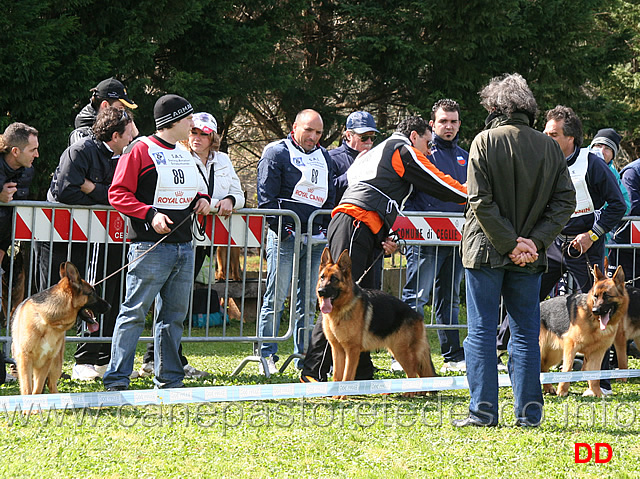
112 89
361 122
205 122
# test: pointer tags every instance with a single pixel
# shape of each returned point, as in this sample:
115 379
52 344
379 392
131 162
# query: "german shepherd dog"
585 323
39 325
630 328
356 320
17 286
234 263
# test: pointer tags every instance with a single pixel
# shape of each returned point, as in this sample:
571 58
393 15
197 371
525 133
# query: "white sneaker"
395 366
101 369
454 366
10 378
605 391
84 372
270 365
191 372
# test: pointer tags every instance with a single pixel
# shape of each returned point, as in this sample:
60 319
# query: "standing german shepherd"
39 325
585 323
356 320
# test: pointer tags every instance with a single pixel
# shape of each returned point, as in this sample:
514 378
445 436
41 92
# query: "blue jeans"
442 264
166 274
279 276
520 293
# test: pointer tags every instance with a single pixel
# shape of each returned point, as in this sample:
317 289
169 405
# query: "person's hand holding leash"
201 207
160 223
582 242
389 246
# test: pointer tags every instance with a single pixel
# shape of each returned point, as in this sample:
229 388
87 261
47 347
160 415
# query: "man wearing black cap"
109 92
156 185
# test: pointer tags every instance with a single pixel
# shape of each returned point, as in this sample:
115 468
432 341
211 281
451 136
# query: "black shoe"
470 421
117 387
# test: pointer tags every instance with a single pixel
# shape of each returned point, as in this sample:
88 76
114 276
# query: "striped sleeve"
416 168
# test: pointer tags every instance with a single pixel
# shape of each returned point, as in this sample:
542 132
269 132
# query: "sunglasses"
367 137
124 117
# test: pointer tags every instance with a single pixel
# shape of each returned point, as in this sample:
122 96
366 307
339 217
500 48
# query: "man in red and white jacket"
156 185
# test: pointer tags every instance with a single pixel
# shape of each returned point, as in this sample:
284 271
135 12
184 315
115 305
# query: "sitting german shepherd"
39 325
585 323
356 320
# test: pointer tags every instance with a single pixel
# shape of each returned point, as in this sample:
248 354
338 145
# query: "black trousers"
364 247
88 353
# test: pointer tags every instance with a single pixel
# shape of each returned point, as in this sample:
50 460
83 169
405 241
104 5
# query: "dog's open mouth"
88 317
604 317
327 305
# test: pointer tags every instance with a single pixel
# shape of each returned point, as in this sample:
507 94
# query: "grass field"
364 436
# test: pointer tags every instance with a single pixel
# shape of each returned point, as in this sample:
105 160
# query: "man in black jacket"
83 177
18 149
109 92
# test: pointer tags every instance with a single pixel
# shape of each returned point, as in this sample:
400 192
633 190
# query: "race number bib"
313 187
178 179
578 172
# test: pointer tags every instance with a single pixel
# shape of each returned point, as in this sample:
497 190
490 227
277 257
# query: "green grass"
364 436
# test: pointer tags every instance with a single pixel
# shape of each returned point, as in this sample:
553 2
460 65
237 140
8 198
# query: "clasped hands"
525 252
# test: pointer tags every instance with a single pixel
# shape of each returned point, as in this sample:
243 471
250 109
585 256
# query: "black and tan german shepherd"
630 328
356 319
39 324
584 323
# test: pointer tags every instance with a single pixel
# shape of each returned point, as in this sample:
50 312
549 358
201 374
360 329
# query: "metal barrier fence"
47 230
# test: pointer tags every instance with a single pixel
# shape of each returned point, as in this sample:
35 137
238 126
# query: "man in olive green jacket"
520 197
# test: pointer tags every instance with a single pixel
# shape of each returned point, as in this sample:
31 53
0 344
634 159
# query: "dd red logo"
584 452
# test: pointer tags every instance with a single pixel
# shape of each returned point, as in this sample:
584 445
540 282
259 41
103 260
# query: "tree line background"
255 64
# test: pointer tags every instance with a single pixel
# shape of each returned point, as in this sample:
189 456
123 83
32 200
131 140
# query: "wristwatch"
594 237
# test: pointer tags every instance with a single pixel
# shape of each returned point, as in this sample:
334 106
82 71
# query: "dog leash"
402 249
149 250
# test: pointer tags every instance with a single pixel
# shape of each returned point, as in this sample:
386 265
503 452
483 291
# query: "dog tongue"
93 327
326 306
603 321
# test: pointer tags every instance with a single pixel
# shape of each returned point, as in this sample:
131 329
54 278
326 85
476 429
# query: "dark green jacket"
518 185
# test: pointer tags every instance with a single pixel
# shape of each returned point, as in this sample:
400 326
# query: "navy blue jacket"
343 157
452 160
277 178
603 188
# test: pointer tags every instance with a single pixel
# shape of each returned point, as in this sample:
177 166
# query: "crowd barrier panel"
53 223
40 228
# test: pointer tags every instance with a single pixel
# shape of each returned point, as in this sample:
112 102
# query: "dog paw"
549 389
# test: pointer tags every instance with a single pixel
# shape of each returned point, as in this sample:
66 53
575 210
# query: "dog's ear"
69 270
326 258
344 262
597 274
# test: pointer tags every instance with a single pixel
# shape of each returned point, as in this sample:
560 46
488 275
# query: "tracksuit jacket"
452 160
132 193
381 180
277 180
